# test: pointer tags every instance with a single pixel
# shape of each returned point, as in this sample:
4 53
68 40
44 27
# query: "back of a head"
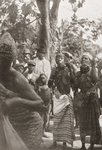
7 49
26 51
7 44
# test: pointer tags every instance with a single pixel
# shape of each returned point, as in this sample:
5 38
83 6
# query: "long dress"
86 101
63 118
63 130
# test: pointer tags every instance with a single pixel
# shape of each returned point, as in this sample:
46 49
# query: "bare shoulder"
17 76
21 85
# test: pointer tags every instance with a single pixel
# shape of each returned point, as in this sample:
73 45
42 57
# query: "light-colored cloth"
100 122
63 130
42 66
61 103
32 76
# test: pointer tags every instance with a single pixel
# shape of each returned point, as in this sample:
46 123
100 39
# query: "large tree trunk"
53 25
44 39
54 12
49 19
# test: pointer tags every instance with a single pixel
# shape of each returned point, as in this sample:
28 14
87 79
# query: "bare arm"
72 74
32 105
94 73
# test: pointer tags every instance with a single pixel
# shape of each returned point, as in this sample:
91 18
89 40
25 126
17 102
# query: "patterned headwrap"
67 54
87 54
7 45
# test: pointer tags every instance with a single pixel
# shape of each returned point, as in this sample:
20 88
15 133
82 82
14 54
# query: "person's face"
67 59
85 60
40 55
43 79
20 69
31 68
27 57
59 60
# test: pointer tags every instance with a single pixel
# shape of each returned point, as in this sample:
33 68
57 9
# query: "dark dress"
87 103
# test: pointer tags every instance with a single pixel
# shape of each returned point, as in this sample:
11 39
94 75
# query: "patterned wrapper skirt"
64 125
89 118
28 125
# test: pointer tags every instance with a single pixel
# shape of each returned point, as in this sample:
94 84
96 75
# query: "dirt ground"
47 142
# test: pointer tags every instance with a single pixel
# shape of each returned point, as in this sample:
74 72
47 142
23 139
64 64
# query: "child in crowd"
44 92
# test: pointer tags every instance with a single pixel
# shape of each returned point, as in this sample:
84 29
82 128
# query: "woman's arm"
72 75
32 105
94 73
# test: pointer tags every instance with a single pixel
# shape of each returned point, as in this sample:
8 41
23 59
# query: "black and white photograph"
50 74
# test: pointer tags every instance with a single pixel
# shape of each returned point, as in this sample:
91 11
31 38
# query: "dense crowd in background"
31 92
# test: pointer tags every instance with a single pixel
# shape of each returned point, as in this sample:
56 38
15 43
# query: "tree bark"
53 25
54 11
49 19
44 38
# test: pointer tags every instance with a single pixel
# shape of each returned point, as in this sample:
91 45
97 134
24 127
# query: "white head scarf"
87 54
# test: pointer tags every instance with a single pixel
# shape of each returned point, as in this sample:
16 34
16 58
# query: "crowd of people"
32 91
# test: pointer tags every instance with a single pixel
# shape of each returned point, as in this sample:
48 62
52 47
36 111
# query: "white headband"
88 54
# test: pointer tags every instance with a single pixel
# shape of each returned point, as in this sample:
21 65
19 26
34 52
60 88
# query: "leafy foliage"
79 34
19 19
16 16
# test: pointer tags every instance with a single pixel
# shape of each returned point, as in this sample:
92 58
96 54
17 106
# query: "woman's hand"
93 62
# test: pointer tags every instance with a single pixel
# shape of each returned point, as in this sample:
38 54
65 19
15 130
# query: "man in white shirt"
29 74
42 64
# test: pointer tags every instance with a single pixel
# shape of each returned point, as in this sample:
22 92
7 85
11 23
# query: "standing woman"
24 107
87 101
62 101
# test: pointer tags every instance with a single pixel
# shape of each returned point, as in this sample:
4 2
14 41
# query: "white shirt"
42 66
32 76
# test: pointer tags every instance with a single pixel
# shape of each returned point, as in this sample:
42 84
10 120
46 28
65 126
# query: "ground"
47 142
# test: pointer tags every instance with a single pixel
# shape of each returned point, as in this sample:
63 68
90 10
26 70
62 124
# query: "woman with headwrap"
86 101
22 106
62 103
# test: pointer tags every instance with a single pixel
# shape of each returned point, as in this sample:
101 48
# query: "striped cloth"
28 125
64 124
